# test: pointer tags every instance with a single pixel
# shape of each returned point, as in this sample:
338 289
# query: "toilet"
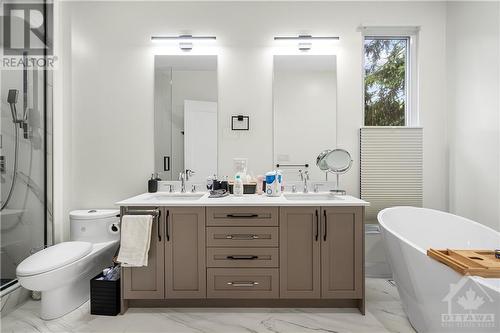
62 272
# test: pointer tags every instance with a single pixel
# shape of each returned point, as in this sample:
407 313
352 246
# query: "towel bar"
154 212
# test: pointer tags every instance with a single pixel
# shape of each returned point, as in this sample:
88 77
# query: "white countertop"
202 199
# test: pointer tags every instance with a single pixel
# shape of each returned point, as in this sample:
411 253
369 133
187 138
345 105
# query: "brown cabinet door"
185 269
299 252
342 252
148 282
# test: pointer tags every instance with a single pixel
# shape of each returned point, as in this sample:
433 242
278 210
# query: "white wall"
109 75
473 107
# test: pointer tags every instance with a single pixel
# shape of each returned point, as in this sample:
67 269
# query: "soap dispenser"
152 184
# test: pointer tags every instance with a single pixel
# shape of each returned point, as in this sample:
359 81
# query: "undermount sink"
311 196
176 196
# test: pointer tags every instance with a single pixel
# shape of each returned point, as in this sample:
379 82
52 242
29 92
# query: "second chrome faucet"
183 177
304 176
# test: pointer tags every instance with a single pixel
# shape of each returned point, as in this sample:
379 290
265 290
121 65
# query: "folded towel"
135 240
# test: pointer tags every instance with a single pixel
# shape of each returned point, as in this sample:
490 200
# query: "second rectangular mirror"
185 116
305 111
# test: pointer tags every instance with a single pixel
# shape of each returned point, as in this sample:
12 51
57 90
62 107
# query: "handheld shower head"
12 97
12 100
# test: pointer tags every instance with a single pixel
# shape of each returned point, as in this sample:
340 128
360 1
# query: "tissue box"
104 296
248 188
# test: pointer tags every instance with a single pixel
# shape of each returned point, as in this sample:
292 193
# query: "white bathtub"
435 297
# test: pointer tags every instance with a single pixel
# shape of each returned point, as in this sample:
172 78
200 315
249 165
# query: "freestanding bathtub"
435 297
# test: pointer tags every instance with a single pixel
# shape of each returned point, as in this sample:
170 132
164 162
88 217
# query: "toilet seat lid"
53 257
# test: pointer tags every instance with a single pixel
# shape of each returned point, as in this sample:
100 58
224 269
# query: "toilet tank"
95 225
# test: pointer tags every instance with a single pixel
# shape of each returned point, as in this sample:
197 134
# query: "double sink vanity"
295 250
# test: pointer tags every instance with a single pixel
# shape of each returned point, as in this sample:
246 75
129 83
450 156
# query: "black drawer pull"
242 257
242 216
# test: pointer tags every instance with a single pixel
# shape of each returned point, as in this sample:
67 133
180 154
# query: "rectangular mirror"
185 109
305 111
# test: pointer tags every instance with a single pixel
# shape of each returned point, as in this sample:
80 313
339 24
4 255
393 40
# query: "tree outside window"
386 72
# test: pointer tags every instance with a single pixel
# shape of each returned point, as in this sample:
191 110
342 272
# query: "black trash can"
104 297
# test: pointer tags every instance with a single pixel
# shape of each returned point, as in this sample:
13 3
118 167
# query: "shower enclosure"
25 165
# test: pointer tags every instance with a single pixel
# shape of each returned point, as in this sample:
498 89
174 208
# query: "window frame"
410 34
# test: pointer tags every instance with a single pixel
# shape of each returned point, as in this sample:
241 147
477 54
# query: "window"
389 87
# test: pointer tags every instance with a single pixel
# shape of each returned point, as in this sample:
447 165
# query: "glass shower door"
24 171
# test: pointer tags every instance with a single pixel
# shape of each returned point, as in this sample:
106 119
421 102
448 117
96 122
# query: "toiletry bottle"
281 181
238 186
152 184
260 185
224 184
158 177
210 183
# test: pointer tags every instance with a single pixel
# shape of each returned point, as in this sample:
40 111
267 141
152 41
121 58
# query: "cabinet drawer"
242 257
242 216
242 237
242 283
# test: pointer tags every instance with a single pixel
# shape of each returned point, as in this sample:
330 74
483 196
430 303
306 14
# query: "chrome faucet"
183 177
189 173
304 176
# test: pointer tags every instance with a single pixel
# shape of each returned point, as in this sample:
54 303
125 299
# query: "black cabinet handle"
166 163
242 257
242 216
159 229
167 231
317 226
324 235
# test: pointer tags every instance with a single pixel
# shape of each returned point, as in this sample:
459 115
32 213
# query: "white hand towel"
135 240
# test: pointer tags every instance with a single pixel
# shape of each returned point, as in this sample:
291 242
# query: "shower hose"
14 173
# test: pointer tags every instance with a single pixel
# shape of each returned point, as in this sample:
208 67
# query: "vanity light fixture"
185 41
305 41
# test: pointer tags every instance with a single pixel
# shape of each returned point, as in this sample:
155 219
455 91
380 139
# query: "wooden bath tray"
469 262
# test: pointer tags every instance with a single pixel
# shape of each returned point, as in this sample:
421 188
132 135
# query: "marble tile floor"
384 314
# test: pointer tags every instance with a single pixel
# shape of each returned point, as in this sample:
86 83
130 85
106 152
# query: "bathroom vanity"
296 250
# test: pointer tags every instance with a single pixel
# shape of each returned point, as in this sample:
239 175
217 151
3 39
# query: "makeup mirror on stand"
337 161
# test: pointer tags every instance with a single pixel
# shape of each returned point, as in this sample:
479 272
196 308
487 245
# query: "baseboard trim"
245 303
